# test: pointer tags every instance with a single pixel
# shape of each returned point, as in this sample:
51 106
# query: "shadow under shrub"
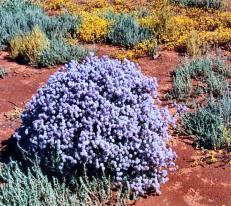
100 115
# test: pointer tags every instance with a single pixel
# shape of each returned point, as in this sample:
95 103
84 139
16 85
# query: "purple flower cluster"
180 109
101 113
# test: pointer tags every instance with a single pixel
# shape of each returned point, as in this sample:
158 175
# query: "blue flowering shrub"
100 115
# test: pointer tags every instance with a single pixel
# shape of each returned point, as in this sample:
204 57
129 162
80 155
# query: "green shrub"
19 17
209 4
216 85
200 68
63 25
182 84
60 52
29 47
126 31
32 187
210 124
209 72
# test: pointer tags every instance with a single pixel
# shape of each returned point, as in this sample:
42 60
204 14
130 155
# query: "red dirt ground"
188 186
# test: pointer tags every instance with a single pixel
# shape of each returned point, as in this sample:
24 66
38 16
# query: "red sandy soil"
188 186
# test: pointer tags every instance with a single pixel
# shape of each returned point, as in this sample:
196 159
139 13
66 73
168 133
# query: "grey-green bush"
60 52
182 84
126 31
19 17
210 124
211 72
31 187
216 85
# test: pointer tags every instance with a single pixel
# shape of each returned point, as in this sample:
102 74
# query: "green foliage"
209 72
210 124
209 4
216 85
18 18
2 73
182 85
21 16
64 25
60 52
32 187
210 120
126 31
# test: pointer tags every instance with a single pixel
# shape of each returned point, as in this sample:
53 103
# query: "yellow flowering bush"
177 27
28 47
94 27
121 55
146 47
162 18
226 136
212 27
218 37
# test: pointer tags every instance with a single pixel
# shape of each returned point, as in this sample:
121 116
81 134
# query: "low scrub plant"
94 28
193 44
21 16
211 72
161 19
29 47
100 115
126 31
147 47
216 85
212 27
210 123
30 186
28 32
61 52
18 17
182 84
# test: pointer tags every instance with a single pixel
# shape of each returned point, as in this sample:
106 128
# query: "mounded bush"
29 47
211 72
94 28
210 123
19 18
100 115
126 31
60 52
